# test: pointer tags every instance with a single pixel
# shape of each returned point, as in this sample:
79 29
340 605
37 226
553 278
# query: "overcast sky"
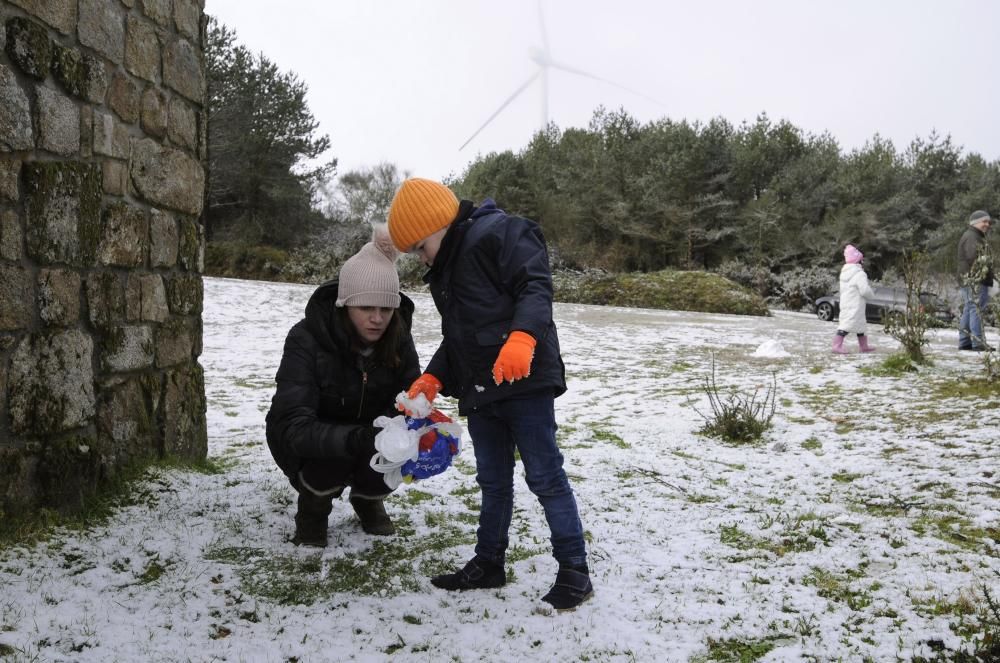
409 81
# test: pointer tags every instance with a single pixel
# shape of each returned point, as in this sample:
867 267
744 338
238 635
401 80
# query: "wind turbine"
543 58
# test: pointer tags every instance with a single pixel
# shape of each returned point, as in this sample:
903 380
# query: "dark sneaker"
572 587
374 519
479 573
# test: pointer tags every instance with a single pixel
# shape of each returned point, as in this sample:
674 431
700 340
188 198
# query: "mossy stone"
29 47
81 74
69 471
64 211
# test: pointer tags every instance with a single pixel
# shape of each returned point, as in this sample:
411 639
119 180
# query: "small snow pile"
772 349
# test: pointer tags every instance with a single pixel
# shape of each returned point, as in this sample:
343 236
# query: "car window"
883 294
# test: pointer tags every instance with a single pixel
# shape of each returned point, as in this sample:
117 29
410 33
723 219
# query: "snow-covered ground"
865 525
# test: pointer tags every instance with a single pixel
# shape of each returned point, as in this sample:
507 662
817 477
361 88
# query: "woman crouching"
342 367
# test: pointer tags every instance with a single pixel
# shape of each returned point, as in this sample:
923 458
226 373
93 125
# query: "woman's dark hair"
386 348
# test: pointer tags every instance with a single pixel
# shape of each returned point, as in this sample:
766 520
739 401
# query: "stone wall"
102 182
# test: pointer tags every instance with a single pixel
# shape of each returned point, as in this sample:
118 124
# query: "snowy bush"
736 417
798 288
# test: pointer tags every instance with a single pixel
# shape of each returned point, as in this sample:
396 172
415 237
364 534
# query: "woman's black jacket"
326 390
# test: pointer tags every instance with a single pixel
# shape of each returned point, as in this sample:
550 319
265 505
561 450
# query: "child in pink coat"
854 290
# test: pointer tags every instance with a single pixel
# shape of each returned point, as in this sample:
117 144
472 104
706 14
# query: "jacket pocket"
493 334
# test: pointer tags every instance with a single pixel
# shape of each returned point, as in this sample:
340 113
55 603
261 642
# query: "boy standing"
490 279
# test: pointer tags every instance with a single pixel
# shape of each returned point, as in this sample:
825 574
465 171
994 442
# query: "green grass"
607 436
136 484
389 567
737 651
895 365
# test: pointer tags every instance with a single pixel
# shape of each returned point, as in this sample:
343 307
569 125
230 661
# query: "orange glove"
514 360
426 384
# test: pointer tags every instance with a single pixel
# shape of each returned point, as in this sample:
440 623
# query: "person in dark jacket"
342 366
975 276
490 279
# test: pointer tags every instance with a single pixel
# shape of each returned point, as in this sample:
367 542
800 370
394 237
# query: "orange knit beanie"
419 209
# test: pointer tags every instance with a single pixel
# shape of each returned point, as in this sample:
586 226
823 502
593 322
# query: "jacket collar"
453 238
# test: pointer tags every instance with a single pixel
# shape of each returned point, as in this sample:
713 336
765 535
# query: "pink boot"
838 345
863 344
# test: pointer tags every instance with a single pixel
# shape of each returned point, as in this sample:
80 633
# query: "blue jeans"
529 425
970 325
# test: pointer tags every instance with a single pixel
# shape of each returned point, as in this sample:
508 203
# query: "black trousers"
321 476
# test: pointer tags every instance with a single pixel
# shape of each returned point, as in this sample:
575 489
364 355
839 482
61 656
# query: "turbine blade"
502 106
541 25
587 74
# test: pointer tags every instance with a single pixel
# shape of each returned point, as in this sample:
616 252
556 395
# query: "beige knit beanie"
419 209
369 278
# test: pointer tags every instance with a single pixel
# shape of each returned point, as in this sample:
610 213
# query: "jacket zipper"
364 387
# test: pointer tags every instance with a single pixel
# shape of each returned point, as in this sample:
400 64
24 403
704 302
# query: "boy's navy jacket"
490 277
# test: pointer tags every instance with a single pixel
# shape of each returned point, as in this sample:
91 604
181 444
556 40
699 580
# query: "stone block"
115 177
192 246
51 386
21 493
146 298
182 128
15 114
187 18
182 69
154 298
163 239
69 470
63 203
58 123
4 439
154 112
29 47
110 136
104 133
86 131
123 97
126 348
16 298
102 27
10 172
185 294
185 429
126 423
174 343
142 49
157 10
82 74
167 177
11 237
60 14
105 299
124 236
59 297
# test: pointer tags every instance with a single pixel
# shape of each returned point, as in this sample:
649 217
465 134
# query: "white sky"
409 82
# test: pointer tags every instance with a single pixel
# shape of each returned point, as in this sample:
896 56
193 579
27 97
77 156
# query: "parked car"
886 303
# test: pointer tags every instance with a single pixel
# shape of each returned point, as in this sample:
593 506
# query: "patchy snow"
869 509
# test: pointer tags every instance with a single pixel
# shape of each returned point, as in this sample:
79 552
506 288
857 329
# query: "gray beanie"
978 216
369 278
